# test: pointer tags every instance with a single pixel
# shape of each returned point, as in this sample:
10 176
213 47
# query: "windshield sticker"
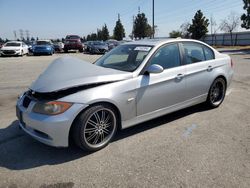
142 48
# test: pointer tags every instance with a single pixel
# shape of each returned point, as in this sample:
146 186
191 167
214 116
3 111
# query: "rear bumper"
50 130
72 47
40 51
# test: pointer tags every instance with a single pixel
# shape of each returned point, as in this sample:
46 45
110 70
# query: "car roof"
156 42
44 40
14 41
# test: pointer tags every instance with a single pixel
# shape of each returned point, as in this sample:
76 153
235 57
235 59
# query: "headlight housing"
51 108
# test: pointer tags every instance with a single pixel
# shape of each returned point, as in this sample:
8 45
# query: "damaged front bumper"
52 130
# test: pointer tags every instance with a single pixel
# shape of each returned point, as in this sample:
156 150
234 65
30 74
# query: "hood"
101 46
68 72
10 48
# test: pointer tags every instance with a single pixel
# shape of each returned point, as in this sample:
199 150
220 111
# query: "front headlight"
17 50
51 108
48 48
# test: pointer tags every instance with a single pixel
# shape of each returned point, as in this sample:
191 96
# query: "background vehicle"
43 47
58 46
73 42
14 48
112 43
97 47
133 83
30 45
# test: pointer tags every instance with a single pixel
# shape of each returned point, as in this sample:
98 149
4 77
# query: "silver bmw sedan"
133 83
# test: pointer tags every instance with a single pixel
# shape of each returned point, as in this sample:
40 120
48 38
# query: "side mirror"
154 69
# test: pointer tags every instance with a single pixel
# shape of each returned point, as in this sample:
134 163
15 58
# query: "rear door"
199 60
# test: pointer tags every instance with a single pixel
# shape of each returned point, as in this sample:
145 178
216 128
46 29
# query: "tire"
216 93
81 50
65 50
21 53
95 127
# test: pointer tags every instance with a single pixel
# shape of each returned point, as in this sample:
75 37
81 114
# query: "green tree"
105 33
119 31
246 16
99 34
199 26
141 28
175 34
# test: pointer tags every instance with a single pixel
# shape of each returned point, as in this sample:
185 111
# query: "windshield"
125 57
12 44
73 37
43 43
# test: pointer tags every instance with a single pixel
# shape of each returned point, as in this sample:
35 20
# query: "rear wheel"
95 127
216 93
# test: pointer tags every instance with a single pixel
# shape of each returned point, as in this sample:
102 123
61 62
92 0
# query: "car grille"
9 51
101 50
26 101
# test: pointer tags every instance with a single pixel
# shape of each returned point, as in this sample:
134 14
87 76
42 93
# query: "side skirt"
163 111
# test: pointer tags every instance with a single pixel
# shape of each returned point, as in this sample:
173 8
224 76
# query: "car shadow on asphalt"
19 151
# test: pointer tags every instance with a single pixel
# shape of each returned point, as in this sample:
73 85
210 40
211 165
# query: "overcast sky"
57 18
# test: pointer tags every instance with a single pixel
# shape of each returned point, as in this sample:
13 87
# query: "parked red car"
73 42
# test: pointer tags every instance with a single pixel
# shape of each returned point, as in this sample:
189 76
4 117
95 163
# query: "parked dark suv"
73 42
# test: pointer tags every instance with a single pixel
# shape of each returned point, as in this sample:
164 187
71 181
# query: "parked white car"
14 48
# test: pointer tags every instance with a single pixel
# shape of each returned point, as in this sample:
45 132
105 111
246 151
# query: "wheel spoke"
102 136
91 136
106 131
96 139
107 119
91 122
107 125
103 116
97 117
90 130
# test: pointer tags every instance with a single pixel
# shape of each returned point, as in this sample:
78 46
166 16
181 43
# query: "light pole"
153 19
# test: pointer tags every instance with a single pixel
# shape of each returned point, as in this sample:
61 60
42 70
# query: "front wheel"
216 93
95 127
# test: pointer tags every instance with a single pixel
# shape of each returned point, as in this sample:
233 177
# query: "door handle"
209 68
179 77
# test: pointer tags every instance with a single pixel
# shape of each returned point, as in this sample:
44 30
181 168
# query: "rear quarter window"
209 54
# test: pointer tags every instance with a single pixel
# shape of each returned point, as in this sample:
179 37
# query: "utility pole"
133 27
118 16
21 34
153 19
27 35
14 34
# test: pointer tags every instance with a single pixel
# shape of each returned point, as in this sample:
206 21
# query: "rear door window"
193 53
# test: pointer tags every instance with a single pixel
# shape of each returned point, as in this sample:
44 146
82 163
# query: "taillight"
232 64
